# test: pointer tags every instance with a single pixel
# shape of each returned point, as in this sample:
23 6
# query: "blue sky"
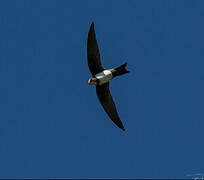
51 122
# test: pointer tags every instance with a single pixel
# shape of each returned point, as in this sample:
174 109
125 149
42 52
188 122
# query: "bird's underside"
95 67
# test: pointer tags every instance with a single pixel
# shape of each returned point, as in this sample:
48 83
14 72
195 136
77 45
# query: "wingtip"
121 127
92 24
92 27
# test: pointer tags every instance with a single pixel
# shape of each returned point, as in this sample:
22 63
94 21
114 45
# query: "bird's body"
101 77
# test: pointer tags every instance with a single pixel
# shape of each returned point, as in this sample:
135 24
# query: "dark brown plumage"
93 53
104 96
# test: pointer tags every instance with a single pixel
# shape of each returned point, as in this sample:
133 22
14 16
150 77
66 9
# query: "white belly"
104 76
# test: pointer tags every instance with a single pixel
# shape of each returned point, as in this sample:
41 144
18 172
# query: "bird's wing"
93 53
108 104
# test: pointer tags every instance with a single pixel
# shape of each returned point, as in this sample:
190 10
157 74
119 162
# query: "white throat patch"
104 76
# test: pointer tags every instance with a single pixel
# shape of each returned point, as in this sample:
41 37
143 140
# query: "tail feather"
120 70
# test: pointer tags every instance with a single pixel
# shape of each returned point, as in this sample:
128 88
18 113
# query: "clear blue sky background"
51 122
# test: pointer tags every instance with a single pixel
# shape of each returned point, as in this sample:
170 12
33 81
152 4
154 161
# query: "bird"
101 77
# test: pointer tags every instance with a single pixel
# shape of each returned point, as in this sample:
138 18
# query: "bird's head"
93 81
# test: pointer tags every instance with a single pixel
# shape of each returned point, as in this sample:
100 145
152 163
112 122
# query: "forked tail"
120 70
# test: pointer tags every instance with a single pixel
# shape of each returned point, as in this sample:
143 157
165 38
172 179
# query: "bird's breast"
104 76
